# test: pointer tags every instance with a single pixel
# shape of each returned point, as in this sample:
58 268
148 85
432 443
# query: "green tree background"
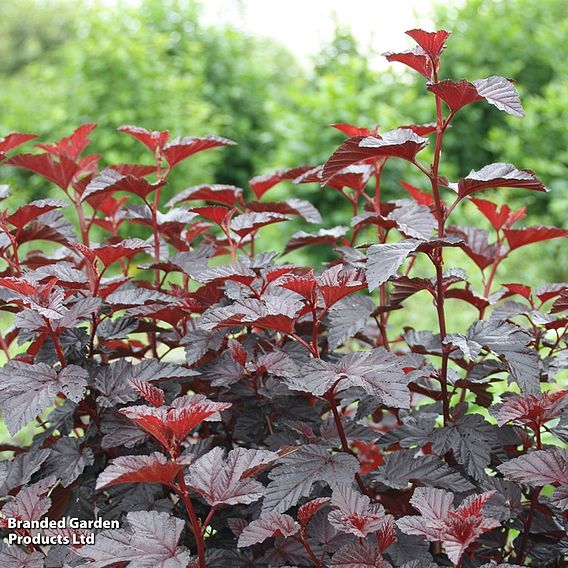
157 65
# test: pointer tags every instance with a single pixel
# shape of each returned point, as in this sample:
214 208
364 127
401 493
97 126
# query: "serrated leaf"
151 542
383 260
26 390
297 473
359 555
223 481
67 460
268 525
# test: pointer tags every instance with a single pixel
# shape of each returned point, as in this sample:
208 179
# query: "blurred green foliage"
155 64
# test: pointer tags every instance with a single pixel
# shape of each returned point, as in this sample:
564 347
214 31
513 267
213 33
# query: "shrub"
257 413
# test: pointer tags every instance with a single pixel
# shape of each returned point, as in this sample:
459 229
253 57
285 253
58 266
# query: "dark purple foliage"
233 409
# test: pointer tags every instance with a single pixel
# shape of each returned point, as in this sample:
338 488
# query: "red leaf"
351 130
499 217
400 143
225 194
303 285
147 391
111 180
497 175
152 139
520 289
124 249
33 210
421 129
214 213
520 237
560 304
433 43
336 282
421 197
13 140
309 509
59 172
416 59
497 91
181 148
261 184
71 146
136 170
171 425
155 468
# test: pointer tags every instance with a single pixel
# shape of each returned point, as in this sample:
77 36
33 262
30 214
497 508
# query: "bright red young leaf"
155 468
309 509
181 148
136 170
61 172
336 283
247 223
109 254
352 130
148 392
261 184
71 146
416 59
214 213
170 425
152 139
421 197
499 217
433 43
13 140
520 237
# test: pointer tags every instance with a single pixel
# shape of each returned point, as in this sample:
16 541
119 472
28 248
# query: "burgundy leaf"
531 409
226 481
498 175
268 525
335 283
33 210
151 540
353 513
294 477
497 91
538 468
26 390
383 260
400 143
359 555
298 207
419 196
110 180
228 195
152 139
499 217
323 236
109 254
261 184
247 223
